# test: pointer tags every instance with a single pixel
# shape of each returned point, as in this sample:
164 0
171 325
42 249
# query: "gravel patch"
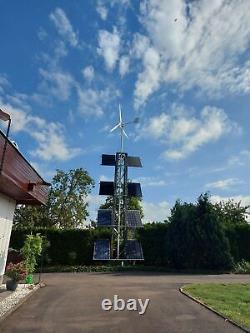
15 297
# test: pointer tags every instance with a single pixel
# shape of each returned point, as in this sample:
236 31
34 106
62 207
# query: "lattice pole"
120 199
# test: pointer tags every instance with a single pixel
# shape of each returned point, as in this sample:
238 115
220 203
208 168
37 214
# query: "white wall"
7 208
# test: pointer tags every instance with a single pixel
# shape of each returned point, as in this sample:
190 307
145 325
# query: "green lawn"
231 300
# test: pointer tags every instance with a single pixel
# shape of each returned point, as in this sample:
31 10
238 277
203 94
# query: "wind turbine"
120 125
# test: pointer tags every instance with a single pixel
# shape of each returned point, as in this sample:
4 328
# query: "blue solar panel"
133 218
133 161
101 249
105 218
133 250
134 190
106 188
108 159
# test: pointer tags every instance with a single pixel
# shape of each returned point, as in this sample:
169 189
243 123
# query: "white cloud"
4 83
224 184
241 159
244 199
89 102
52 144
149 79
197 46
109 47
49 136
124 65
140 44
92 102
102 11
157 126
212 124
41 34
151 181
57 83
21 120
64 27
89 73
155 212
184 133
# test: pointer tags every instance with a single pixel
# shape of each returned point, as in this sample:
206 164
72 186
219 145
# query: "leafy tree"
196 238
231 212
134 203
32 216
66 206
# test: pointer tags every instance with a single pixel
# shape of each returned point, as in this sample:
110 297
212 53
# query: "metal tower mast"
119 217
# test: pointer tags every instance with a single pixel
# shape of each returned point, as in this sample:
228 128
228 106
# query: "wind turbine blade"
124 133
114 128
120 113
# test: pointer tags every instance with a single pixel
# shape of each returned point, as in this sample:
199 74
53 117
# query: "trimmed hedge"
75 247
239 240
66 247
153 238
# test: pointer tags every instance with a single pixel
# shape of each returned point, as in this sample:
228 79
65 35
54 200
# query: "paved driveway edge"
214 311
16 306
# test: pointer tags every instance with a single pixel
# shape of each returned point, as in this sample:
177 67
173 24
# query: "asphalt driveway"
71 303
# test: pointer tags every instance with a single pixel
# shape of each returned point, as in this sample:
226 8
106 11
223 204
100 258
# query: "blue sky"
183 67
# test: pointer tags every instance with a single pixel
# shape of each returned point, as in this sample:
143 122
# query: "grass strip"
230 299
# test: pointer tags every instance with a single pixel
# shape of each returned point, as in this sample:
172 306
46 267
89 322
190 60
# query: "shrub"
17 271
242 267
239 239
31 249
196 238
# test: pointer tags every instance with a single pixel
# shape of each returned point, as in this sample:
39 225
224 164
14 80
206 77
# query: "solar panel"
133 161
106 188
105 218
108 159
134 190
101 249
133 218
133 249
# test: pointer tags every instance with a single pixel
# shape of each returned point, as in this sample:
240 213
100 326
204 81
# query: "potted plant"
16 273
31 250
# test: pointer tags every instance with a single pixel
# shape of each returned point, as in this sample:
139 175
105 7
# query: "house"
20 183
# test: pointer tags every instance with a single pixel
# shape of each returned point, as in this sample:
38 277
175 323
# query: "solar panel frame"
133 218
101 249
134 161
106 188
133 250
105 218
134 190
109 160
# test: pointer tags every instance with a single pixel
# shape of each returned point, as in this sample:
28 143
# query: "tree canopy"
134 203
231 212
66 206
195 229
